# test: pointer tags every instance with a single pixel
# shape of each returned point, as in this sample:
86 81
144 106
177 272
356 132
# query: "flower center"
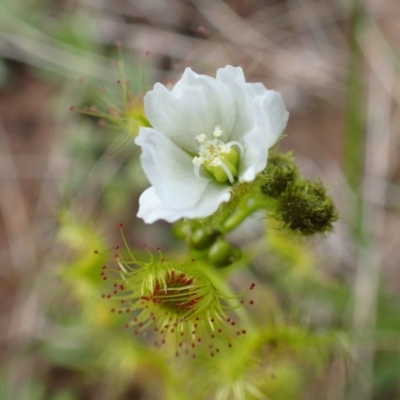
179 297
217 157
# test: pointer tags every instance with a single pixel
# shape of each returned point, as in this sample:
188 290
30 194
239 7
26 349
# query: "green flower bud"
222 253
280 171
306 208
182 229
202 238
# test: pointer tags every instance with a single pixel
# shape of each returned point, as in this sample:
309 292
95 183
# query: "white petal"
273 116
213 197
270 120
152 209
235 75
196 105
231 74
170 170
261 118
234 78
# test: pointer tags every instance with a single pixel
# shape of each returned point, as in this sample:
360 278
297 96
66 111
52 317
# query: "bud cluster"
303 205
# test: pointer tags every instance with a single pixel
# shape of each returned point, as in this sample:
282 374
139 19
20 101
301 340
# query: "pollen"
201 138
218 132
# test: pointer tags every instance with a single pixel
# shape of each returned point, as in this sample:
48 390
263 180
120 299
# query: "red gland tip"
121 225
252 286
116 247
96 252
71 108
119 44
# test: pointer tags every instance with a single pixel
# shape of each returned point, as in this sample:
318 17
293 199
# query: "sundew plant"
209 148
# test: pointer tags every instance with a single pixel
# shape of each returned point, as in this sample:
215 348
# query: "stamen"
197 161
216 162
201 138
217 157
218 131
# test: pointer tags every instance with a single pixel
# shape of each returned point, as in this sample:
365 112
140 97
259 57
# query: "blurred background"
63 191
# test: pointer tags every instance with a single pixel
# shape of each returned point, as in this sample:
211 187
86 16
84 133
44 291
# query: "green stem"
236 219
355 120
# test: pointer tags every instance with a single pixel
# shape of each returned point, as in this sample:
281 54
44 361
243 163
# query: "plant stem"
236 219
355 120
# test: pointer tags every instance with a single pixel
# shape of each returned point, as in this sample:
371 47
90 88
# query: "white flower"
207 134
